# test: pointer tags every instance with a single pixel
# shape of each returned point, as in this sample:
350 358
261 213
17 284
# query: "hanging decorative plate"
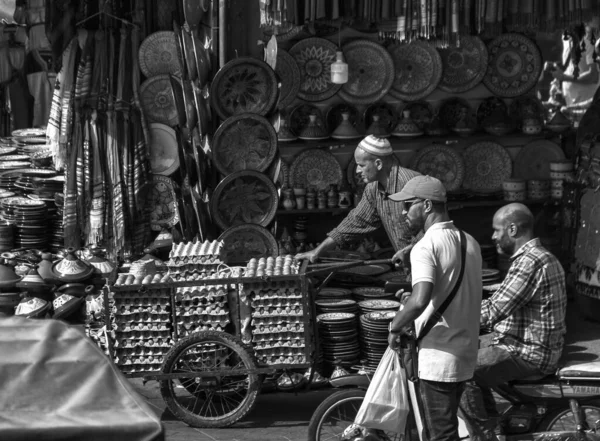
289 74
284 174
314 57
487 165
158 54
370 72
421 113
158 101
164 157
244 142
29 132
464 66
453 110
533 161
524 107
300 117
334 115
244 242
443 163
388 117
316 169
368 270
488 106
163 203
244 85
244 197
514 65
418 70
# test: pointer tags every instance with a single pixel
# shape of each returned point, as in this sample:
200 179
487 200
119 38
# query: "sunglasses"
410 202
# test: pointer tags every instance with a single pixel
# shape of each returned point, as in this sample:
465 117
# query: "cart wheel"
210 401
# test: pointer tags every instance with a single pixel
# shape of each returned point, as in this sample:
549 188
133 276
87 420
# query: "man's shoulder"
538 256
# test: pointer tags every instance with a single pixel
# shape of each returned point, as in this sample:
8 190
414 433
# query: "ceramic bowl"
561 166
532 129
514 196
538 194
514 185
556 184
556 193
562 175
538 184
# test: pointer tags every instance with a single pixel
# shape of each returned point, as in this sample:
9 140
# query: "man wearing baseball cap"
447 352
383 174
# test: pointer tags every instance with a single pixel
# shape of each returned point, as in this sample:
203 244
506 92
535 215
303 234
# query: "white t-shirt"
448 353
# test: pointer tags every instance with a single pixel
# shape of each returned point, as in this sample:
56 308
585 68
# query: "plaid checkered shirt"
528 310
375 210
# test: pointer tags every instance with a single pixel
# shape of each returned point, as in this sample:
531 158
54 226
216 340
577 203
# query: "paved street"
276 416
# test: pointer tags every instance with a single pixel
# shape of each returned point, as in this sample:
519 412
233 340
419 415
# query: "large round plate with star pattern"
244 242
316 169
487 165
158 100
244 85
514 65
244 142
158 54
370 72
244 197
163 203
314 57
443 163
289 74
463 66
418 70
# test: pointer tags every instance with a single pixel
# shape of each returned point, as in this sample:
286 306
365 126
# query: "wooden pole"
222 33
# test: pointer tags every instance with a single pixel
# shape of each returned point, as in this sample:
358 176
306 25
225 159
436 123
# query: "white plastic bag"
386 404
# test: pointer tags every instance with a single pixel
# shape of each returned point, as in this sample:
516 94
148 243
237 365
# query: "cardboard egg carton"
196 253
136 368
182 331
125 279
159 296
282 293
129 309
141 351
146 343
286 344
279 311
265 359
275 303
279 328
254 287
205 292
200 311
148 360
135 334
143 317
275 320
139 326
281 336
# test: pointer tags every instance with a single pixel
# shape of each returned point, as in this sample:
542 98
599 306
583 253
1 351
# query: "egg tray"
282 350
129 327
139 368
142 359
296 311
276 329
195 327
190 308
276 320
255 285
145 343
141 334
282 336
274 295
222 321
137 309
202 291
124 279
275 303
140 351
192 275
271 360
203 314
286 344
138 292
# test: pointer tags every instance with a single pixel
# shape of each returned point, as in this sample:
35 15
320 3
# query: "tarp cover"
56 384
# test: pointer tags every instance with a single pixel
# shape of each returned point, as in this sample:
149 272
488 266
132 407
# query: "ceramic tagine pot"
285 134
313 130
345 130
72 268
407 127
8 278
45 268
102 267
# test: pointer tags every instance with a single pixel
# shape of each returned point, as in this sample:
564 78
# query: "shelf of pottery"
199 292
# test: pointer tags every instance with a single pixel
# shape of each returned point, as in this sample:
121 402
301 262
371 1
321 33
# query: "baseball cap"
422 187
376 146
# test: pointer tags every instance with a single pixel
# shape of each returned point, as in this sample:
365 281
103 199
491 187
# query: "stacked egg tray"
189 261
202 308
142 327
281 321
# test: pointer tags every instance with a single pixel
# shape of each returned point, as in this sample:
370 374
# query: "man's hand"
394 340
312 256
403 296
402 257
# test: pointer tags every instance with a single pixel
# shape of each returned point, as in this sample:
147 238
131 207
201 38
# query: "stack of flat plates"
7 240
338 333
367 306
336 305
334 294
56 235
374 332
30 219
370 293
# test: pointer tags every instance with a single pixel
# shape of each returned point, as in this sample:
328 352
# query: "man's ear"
513 230
379 164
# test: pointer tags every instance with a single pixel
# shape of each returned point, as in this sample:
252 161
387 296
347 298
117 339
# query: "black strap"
437 315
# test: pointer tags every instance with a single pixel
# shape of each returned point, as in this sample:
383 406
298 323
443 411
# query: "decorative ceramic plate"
369 270
29 132
163 202
369 291
418 70
244 197
380 316
453 110
487 165
314 57
370 72
244 85
421 113
527 106
14 158
336 317
243 242
488 106
464 66
289 75
514 65
316 169
7 150
22 202
299 117
33 140
335 292
379 304
164 157
533 161
334 115
158 54
283 178
443 163
244 142
340 302
158 101
9 165
388 117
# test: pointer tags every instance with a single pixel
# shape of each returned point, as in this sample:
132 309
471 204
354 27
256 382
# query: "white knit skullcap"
376 146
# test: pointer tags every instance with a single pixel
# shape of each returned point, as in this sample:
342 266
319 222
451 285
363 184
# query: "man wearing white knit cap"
384 176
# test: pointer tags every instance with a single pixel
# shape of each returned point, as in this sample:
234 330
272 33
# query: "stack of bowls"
374 329
514 190
538 189
370 293
560 172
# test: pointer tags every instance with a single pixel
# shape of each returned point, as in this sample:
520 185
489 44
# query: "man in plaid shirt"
527 315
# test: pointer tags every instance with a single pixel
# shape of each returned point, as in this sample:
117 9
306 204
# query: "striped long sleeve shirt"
375 210
528 310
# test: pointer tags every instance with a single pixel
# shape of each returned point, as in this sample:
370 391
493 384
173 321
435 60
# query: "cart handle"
323 268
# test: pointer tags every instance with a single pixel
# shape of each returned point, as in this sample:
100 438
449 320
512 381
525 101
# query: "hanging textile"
96 217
